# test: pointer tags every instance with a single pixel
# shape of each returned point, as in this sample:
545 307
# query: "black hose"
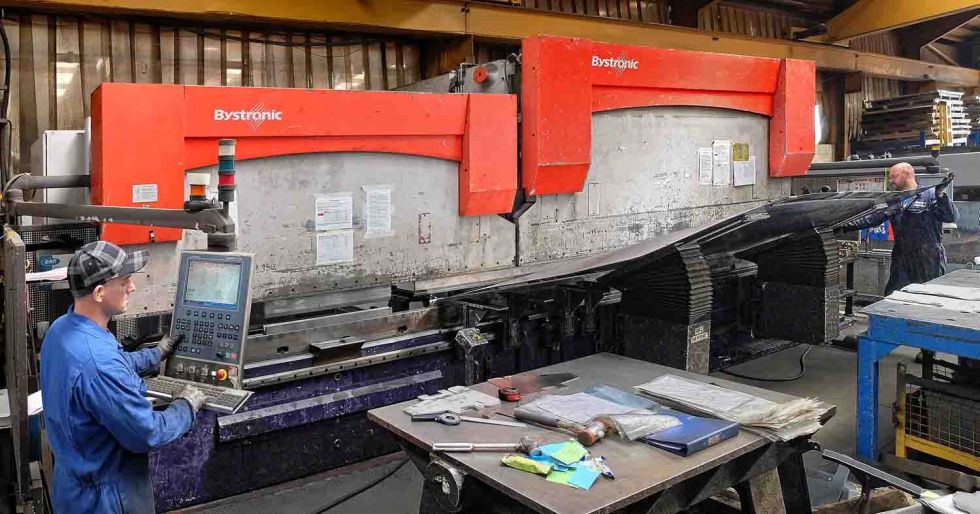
790 379
352 494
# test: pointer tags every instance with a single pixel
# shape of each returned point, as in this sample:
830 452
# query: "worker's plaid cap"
99 262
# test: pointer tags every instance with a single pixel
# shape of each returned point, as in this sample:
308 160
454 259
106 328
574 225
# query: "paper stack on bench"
783 421
956 298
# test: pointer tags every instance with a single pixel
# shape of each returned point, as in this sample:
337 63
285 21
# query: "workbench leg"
761 494
870 352
792 481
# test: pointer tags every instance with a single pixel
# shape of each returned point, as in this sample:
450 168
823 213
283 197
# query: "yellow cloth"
526 464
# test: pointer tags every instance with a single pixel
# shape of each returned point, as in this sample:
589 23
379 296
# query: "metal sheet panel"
643 182
276 210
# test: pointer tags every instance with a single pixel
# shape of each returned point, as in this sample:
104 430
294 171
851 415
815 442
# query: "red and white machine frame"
149 134
565 80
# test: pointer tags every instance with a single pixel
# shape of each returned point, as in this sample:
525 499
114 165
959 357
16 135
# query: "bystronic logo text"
255 116
620 64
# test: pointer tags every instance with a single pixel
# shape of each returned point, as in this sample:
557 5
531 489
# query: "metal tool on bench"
450 418
526 445
587 435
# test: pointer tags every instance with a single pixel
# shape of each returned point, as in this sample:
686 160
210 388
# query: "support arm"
207 220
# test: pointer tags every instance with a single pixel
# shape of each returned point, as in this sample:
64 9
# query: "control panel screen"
212 284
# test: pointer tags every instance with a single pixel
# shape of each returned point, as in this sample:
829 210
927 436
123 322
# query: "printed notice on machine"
745 172
336 247
721 163
377 211
145 193
704 165
334 211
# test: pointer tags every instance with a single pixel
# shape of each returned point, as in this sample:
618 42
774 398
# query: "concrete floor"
830 376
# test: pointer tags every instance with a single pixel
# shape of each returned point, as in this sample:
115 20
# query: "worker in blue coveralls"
918 255
98 420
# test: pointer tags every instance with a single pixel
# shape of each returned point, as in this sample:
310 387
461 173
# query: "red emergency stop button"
222 374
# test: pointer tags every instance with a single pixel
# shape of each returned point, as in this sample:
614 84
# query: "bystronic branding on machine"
255 116
620 64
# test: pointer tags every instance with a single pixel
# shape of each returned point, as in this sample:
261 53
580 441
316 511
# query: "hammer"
593 432
586 435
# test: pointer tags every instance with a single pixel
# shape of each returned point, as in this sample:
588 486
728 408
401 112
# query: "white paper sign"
721 163
704 165
145 193
334 247
334 211
745 172
377 211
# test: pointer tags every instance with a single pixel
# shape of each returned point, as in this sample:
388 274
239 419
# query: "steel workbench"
892 324
647 479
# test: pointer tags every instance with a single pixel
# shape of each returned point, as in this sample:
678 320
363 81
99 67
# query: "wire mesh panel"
946 409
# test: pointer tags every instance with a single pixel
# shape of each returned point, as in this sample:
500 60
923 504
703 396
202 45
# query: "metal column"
17 359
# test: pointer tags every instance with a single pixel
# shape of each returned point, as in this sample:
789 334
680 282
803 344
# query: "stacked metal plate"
808 260
971 105
677 289
923 119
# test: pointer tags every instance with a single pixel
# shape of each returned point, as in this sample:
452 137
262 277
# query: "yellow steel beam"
943 452
870 16
511 24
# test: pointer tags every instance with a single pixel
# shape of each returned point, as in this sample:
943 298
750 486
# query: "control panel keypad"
206 331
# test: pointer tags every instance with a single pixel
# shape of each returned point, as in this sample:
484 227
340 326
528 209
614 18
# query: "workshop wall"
757 22
59 60
650 11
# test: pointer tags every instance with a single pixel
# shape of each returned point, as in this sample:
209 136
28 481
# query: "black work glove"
194 396
941 187
168 345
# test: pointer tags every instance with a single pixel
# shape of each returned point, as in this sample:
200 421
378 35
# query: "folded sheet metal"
736 235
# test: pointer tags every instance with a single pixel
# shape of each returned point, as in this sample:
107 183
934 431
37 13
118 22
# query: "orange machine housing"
147 135
566 80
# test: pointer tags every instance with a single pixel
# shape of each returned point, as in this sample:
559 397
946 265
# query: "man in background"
917 224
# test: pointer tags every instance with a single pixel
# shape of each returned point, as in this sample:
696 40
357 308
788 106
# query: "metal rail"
358 362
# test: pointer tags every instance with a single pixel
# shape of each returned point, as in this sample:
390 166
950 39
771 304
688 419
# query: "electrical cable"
352 494
5 160
763 379
7 184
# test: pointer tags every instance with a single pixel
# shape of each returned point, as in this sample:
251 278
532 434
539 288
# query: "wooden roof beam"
871 16
439 18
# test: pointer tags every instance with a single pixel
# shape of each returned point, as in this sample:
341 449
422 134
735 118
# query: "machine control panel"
211 311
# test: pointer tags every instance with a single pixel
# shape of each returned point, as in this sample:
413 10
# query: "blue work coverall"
98 421
918 255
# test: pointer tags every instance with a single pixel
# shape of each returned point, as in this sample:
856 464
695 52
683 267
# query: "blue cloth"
98 421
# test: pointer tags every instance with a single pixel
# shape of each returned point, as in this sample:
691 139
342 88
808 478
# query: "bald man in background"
918 255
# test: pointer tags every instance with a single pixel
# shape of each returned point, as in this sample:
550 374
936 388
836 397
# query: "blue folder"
694 434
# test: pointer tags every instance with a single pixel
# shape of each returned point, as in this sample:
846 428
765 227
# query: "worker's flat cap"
99 262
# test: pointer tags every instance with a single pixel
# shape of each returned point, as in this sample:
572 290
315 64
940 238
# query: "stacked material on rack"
923 119
971 104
